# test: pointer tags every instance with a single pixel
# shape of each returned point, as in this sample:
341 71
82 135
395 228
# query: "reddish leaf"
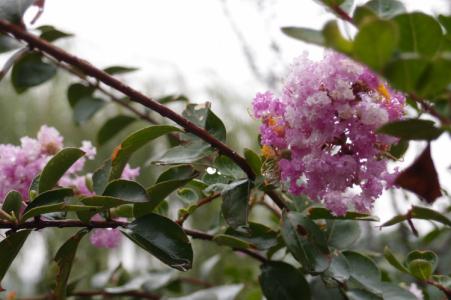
421 177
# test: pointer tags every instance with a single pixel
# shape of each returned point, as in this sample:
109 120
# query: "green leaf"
375 43
222 292
258 236
358 294
399 149
316 213
235 204
412 129
112 127
173 98
46 202
101 177
164 239
51 34
421 264
446 22
280 280
342 234
64 258
253 160
419 33
202 116
9 248
363 14
77 91
132 143
306 241
436 78
418 212
307 35
114 70
13 10
57 166
391 258
168 182
228 167
30 70
184 154
8 43
405 73
231 241
13 203
334 38
130 191
86 108
363 270
386 8
339 268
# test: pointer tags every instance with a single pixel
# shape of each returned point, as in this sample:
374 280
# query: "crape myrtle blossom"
322 131
19 165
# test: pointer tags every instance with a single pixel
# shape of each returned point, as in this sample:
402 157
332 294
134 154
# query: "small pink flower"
326 120
105 238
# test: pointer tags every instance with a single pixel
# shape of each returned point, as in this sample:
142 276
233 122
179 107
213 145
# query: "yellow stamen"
268 151
382 89
272 122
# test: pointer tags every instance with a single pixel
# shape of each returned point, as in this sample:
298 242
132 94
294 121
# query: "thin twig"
200 203
134 95
38 224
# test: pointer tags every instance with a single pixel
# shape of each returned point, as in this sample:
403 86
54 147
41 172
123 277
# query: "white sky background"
183 46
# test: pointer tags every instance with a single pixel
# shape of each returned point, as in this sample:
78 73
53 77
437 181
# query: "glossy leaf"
201 115
9 248
391 258
57 166
253 160
101 177
342 234
77 91
436 78
30 70
130 191
112 127
305 34
235 204
13 203
13 10
280 280
228 167
334 38
64 259
86 108
339 268
164 239
51 34
231 241
386 8
421 264
412 129
132 143
46 202
186 154
173 98
222 292
375 43
363 270
115 70
167 182
258 236
405 73
419 33
422 213
306 241
316 213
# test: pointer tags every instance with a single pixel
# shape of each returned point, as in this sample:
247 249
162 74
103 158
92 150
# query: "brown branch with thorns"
86 68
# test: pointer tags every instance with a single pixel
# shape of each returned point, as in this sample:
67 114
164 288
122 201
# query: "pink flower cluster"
20 164
322 131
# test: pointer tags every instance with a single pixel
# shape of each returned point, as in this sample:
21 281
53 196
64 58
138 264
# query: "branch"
41 224
134 95
430 109
441 287
200 203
